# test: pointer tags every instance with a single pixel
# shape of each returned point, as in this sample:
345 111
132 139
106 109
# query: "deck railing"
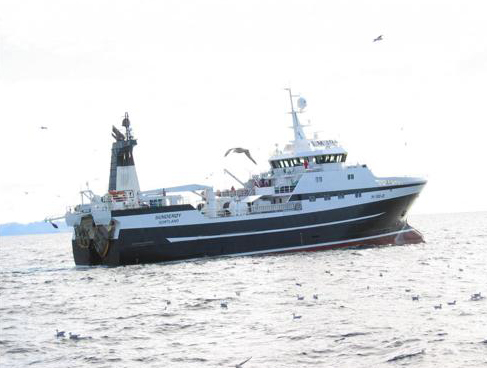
279 207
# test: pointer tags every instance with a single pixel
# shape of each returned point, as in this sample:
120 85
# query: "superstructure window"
350 176
319 179
341 196
358 195
312 198
321 159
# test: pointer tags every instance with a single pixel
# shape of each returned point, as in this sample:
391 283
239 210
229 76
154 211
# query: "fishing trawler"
309 199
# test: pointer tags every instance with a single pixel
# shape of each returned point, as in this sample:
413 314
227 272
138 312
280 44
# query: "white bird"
59 333
295 316
241 150
379 38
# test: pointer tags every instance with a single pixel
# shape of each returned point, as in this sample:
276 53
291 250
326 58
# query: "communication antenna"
126 124
297 127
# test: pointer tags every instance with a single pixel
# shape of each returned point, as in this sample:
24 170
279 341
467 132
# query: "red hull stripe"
409 236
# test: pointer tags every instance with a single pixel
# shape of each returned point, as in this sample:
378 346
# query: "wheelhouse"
299 161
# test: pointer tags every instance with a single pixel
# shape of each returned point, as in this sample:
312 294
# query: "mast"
297 127
300 140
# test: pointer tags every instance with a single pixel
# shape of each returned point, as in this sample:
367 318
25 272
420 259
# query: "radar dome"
302 103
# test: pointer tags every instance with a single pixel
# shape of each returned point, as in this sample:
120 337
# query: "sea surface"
171 315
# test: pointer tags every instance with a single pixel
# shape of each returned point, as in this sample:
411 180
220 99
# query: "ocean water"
171 315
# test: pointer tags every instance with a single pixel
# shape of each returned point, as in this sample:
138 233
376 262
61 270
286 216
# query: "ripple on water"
360 319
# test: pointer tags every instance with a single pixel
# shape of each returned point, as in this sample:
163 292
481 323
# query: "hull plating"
370 224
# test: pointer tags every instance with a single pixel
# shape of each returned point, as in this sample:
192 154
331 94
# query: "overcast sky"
198 77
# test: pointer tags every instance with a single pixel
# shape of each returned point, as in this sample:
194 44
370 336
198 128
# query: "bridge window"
341 196
350 176
312 198
358 195
319 179
320 159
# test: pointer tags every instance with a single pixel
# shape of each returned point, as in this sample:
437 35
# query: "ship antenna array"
126 124
297 127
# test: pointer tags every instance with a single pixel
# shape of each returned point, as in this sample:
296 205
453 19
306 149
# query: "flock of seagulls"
224 305
473 297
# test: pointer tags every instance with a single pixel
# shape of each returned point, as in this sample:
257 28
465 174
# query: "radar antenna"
297 127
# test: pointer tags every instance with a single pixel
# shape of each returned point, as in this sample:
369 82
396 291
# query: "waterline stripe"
191 238
277 250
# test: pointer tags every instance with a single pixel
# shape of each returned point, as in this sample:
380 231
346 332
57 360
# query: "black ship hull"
371 224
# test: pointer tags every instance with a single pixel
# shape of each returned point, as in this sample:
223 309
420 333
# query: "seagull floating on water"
73 336
315 296
438 306
452 303
300 297
241 150
59 333
415 297
298 284
295 316
476 296
224 305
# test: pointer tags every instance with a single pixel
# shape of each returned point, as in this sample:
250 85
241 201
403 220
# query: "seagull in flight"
43 127
379 38
241 150
240 365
